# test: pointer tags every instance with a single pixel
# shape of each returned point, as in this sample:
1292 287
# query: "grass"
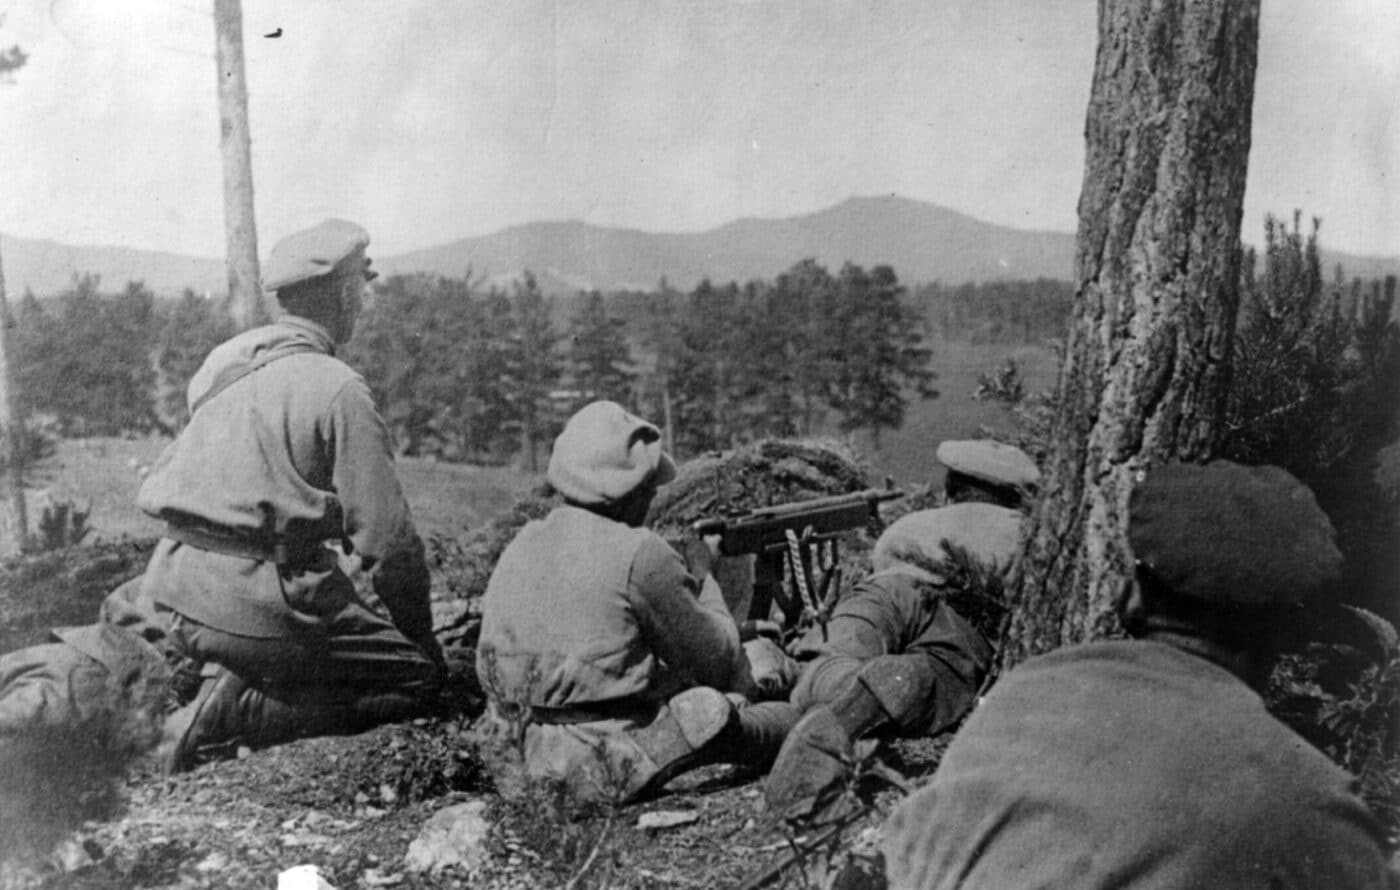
906 454
106 473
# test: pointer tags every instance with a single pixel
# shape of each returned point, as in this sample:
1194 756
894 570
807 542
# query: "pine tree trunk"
1157 271
240 228
14 523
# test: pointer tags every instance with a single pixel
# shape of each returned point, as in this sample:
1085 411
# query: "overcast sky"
431 120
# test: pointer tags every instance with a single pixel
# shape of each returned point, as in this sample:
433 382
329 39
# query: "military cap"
990 461
988 532
604 453
312 253
1232 535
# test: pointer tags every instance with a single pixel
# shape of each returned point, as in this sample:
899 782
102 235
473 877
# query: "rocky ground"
359 809
423 804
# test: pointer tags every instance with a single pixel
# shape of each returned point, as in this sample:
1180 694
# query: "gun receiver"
779 534
765 529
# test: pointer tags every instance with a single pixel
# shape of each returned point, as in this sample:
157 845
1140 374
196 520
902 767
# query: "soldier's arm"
376 516
686 620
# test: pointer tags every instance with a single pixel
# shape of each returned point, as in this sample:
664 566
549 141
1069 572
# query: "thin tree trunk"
1157 270
14 523
240 229
668 424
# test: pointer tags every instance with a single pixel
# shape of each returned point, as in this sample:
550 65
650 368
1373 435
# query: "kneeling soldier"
284 456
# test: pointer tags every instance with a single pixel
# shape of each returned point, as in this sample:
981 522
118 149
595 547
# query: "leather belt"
244 546
592 712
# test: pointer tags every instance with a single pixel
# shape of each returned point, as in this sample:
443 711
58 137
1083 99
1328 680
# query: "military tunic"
895 614
296 452
590 625
1131 764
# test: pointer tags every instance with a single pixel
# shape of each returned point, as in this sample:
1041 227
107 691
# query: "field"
907 454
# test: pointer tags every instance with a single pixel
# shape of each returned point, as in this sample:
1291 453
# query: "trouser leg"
356 652
356 672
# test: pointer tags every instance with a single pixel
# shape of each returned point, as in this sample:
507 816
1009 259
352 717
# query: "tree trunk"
14 522
668 427
1157 271
240 229
530 461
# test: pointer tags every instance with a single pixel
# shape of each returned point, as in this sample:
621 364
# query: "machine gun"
789 541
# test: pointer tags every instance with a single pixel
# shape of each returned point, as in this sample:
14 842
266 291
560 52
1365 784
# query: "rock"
303 877
666 819
455 835
71 855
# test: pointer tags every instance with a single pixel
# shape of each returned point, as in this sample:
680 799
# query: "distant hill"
922 241
48 268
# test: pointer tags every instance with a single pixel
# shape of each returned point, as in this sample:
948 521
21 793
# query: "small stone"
666 819
454 836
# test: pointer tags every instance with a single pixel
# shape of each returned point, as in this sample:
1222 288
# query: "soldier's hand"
752 629
700 553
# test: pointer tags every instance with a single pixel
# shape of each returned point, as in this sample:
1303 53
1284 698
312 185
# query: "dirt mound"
42 591
772 471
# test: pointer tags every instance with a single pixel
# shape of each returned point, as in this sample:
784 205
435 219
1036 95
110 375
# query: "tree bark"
1157 259
14 521
235 144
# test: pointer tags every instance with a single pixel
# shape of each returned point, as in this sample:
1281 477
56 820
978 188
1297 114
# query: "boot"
688 733
814 763
761 729
209 718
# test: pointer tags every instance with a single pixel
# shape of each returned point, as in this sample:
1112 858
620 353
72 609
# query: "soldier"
285 458
894 654
599 645
1152 762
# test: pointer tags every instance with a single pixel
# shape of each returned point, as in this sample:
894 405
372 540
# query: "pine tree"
536 369
1146 362
878 352
192 327
599 363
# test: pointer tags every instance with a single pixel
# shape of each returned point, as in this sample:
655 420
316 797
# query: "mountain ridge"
922 241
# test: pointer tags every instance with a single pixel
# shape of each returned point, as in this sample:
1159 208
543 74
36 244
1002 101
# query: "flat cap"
604 453
312 253
1232 535
990 461
988 532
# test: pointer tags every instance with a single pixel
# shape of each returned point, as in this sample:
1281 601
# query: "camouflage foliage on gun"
790 542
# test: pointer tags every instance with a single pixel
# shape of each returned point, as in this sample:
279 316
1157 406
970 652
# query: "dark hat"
1232 535
312 253
604 453
990 461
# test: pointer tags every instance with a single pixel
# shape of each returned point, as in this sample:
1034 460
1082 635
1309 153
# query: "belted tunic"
293 454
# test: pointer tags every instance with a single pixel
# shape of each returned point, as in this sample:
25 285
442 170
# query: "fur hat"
605 453
1232 535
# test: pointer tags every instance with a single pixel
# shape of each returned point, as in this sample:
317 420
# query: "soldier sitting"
600 652
1152 762
895 654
